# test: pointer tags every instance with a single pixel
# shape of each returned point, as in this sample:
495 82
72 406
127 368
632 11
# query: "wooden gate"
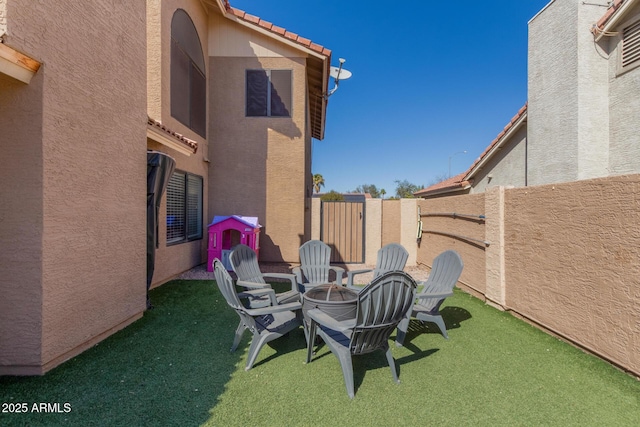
342 228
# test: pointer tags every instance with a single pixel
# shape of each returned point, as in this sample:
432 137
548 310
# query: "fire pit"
336 301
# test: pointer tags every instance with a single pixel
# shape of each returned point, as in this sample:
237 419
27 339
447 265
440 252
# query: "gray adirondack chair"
315 258
245 264
265 323
382 304
390 257
444 275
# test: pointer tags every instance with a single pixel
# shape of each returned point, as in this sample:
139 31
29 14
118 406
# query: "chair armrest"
252 285
297 271
292 306
429 295
339 274
352 273
260 292
322 318
286 276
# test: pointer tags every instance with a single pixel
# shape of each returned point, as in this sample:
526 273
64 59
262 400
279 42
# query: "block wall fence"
564 257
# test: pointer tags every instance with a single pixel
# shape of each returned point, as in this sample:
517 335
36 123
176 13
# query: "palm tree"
382 192
318 181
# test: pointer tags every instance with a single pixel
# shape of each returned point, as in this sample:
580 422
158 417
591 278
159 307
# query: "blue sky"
430 79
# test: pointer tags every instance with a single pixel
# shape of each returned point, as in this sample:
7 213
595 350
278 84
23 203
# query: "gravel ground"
200 272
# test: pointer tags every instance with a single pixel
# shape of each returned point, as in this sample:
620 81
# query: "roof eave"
16 64
501 142
307 47
464 185
612 20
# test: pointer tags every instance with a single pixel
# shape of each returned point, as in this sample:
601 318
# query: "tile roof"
608 14
521 112
189 143
463 180
455 183
277 30
318 64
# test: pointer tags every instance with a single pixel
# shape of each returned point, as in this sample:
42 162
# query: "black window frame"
184 215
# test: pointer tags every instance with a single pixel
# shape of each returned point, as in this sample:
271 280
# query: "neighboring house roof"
616 10
451 185
165 136
464 180
514 124
318 63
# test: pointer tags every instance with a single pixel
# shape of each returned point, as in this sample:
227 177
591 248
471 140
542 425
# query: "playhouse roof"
251 221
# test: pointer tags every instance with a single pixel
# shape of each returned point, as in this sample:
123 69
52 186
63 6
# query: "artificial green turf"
173 367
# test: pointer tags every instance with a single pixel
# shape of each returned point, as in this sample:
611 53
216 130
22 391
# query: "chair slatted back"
244 262
382 304
315 258
444 275
390 258
228 291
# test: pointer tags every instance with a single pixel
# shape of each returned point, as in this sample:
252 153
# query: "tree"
405 189
382 193
332 196
368 188
318 181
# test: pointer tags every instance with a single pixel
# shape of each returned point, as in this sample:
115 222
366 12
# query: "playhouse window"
188 82
184 208
268 93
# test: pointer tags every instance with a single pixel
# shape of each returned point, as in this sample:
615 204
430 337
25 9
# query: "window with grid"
269 93
188 82
184 208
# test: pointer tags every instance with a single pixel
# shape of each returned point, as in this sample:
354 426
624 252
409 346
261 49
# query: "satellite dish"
339 73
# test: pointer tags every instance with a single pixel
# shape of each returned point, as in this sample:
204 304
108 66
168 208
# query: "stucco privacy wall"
79 135
433 243
174 259
257 163
581 278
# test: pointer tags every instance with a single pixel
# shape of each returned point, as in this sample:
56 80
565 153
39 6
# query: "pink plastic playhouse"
227 231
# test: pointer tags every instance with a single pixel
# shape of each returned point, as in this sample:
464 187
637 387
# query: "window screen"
184 207
188 82
269 93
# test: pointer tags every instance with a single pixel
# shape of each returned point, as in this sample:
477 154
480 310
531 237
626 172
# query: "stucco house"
86 88
580 120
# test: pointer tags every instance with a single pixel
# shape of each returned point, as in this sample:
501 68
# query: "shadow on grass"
452 316
168 368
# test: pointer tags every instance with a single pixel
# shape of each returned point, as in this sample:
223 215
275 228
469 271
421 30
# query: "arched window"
188 81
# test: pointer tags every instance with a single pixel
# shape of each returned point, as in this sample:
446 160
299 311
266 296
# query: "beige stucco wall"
507 167
581 277
258 164
473 254
21 225
76 135
373 230
175 259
